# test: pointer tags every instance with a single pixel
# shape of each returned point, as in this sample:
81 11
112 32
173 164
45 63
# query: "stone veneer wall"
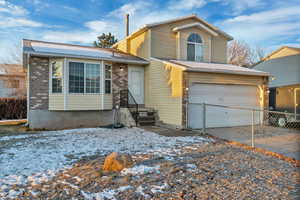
119 81
39 83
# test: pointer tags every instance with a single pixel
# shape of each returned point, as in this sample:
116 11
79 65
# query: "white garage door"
227 95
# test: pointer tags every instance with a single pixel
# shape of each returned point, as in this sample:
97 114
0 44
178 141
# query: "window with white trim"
194 48
84 77
108 75
92 78
56 76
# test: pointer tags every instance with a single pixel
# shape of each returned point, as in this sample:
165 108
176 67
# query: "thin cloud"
265 27
186 4
11 9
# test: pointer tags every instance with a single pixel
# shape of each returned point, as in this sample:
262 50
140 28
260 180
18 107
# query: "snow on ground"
37 157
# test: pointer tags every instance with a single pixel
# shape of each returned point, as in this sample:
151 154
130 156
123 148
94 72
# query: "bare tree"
260 53
240 53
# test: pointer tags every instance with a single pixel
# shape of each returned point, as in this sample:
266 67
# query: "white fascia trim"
169 63
178 28
119 60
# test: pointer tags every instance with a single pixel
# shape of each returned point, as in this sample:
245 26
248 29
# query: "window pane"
76 77
194 37
198 52
191 52
57 69
107 86
107 72
92 78
57 83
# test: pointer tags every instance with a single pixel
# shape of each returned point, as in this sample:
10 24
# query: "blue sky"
265 23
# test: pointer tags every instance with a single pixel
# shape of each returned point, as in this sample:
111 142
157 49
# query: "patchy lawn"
35 158
40 167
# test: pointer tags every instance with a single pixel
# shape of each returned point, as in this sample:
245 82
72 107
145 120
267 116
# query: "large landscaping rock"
116 162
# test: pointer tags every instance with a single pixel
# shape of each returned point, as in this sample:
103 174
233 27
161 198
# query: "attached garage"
247 96
193 84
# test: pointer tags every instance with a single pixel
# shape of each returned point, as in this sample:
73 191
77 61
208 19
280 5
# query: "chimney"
127 24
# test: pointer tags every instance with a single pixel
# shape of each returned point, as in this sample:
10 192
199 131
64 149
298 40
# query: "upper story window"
194 47
56 76
84 77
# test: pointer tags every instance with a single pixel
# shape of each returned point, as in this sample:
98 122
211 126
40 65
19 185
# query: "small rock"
116 162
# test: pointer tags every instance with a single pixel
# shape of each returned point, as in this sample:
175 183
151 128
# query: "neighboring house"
12 81
162 65
284 67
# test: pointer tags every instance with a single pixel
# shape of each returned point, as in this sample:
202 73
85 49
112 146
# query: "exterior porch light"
121 68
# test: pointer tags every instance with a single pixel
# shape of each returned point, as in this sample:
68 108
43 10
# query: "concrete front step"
146 116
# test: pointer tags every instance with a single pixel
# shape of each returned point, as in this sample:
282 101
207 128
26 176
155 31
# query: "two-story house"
170 67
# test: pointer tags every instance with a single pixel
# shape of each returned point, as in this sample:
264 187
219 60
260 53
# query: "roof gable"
198 22
176 20
282 52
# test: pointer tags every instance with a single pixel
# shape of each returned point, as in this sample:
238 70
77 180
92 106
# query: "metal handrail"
127 100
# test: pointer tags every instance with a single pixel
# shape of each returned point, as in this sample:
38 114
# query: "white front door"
136 83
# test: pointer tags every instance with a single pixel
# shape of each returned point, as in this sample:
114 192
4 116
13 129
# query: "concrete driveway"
280 140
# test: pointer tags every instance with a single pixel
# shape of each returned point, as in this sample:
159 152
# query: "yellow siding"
83 102
158 94
285 97
201 77
284 52
219 50
108 103
139 45
121 45
56 102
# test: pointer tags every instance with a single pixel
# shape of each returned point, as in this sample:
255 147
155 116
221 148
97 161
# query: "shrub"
13 108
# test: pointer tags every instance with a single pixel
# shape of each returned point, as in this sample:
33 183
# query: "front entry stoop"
146 116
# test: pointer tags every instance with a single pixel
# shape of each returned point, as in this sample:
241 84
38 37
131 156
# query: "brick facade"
119 81
39 83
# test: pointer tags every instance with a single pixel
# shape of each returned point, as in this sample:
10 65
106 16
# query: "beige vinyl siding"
108 102
83 102
184 34
219 50
218 78
163 42
80 102
158 94
283 53
56 101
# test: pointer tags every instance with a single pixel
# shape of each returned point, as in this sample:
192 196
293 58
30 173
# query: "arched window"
194 47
